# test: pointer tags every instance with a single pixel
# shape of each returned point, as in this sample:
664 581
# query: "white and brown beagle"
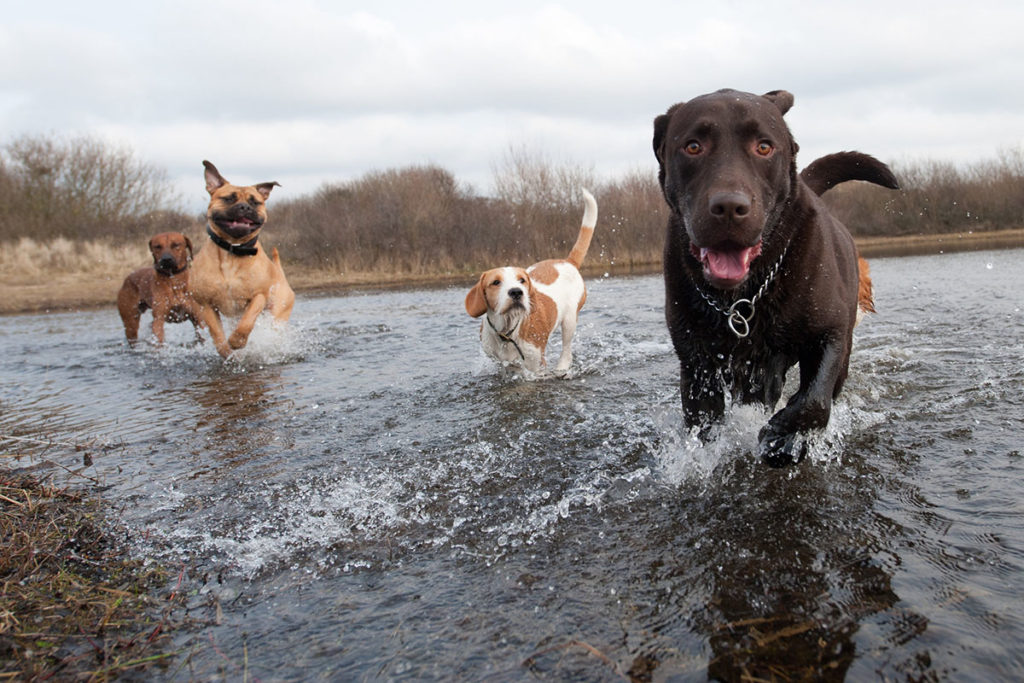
523 307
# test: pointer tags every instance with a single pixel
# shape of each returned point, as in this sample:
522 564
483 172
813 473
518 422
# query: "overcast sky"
308 92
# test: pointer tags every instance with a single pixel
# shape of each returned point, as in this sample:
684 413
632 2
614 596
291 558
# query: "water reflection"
238 412
796 573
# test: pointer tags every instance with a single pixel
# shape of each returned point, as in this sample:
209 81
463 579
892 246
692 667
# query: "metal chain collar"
507 337
739 315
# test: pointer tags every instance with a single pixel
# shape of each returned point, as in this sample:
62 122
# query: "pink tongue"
728 265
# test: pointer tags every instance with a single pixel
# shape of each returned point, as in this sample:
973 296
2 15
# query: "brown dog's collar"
244 249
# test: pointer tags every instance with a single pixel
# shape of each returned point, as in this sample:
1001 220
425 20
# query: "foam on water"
269 343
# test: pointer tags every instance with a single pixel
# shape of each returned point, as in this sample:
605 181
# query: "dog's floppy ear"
476 302
780 98
265 188
188 245
151 247
660 129
214 179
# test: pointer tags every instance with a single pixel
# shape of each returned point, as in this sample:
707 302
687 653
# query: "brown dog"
232 274
759 276
163 288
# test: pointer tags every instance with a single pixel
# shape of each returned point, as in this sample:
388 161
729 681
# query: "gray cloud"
322 91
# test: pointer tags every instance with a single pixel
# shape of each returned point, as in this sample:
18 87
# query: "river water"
364 496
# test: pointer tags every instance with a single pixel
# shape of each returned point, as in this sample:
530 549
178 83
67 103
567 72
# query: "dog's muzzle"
238 221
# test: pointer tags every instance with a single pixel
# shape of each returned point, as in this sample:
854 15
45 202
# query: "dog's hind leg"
130 308
281 302
568 332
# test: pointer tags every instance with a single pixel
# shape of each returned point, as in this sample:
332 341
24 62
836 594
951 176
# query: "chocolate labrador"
759 276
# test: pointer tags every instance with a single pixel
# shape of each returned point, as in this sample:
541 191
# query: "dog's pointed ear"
476 302
214 179
780 98
188 245
265 188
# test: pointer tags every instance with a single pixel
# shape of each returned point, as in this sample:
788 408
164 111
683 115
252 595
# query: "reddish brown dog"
232 275
162 288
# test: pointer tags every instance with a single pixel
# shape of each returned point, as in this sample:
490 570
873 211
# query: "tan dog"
232 274
162 288
523 307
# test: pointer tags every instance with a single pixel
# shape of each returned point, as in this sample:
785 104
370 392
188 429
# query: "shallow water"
364 496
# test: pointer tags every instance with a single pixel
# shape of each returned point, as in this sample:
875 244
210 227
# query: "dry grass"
82 282
25 260
71 605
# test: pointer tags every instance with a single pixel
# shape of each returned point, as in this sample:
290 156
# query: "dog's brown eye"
496 283
522 280
230 198
693 148
765 148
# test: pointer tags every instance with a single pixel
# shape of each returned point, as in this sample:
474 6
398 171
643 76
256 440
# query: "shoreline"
64 292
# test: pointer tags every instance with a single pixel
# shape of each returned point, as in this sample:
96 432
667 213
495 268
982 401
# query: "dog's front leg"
159 314
211 318
240 336
822 373
703 395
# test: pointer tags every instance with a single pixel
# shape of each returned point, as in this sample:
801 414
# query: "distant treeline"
421 220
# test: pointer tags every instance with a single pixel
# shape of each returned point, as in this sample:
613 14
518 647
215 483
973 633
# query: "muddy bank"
73 604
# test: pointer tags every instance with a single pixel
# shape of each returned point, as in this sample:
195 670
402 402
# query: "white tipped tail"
579 250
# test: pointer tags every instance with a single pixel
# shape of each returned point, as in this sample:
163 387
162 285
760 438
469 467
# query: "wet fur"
733 149
162 288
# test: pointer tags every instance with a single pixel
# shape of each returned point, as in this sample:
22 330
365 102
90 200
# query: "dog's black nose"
729 205
515 293
166 261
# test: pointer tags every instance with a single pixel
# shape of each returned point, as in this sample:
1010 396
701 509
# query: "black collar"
244 249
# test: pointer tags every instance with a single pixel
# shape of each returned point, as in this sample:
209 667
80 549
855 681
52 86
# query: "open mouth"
238 227
726 268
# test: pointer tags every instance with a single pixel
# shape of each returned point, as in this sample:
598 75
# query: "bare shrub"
404 220
543 202
631 228
936 197
80 188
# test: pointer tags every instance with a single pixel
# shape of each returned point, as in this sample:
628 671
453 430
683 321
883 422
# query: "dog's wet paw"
780 450
237 341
